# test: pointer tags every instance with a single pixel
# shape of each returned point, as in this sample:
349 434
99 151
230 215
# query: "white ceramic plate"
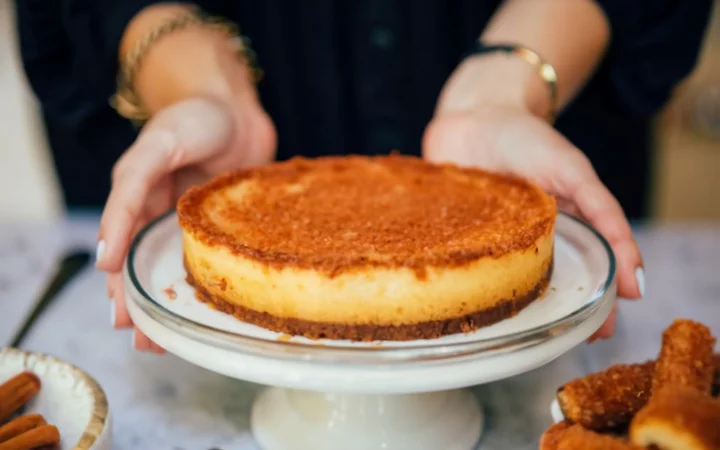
583 271
69 399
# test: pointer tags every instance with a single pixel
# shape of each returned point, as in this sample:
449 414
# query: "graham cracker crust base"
505 309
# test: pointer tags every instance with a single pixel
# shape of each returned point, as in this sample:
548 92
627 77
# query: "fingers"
568 207
608 328
188 133
630 272
121 319
600 208
185 134
120 316
133 177
143 343
448 140
156 348
111 286
114 279
140 341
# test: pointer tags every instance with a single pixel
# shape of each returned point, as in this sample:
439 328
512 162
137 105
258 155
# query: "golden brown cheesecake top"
342 213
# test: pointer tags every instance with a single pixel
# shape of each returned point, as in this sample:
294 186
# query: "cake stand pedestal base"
288 419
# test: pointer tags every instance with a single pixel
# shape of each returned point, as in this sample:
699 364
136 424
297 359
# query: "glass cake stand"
329 394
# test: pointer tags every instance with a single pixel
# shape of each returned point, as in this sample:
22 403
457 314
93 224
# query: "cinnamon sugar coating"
608 399
335 214
678 417
665 402
686 357
563 436
550 438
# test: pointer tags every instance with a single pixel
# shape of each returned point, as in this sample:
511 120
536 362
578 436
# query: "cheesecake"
368 248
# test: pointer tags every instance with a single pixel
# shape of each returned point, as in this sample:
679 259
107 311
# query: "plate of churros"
47 403
669 403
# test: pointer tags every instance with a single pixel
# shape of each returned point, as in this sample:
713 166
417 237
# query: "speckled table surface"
164 403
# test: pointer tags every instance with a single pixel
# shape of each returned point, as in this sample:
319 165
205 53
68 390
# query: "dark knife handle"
69 266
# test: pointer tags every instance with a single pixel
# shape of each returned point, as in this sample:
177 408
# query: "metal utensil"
69 266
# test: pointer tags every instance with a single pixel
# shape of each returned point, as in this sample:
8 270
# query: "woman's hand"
475 128
206 119
184 144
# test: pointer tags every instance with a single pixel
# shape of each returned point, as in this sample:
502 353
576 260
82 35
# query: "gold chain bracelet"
127 103
544 69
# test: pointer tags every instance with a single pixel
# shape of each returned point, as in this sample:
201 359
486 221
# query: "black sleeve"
96 27
654 45
69 50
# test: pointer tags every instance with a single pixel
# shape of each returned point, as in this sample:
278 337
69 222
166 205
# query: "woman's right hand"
206 118
183 144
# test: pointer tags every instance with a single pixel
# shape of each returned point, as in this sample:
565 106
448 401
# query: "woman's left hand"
474 129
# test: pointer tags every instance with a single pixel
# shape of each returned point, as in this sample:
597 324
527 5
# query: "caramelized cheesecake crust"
368 248
337 214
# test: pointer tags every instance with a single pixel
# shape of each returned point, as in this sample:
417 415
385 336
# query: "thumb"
185 134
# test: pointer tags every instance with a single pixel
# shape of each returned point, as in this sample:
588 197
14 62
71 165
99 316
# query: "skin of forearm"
571 35
189 62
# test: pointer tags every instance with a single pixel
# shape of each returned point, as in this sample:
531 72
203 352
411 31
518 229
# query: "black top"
353 77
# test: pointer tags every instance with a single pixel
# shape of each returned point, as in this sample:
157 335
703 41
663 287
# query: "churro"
678 418
16 392
20 425
564 436
551 436
607 400
686 357
665 404
40 437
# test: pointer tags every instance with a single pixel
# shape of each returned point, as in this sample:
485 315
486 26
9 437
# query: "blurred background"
684 181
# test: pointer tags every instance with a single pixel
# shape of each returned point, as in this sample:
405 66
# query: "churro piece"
40 437
678 418
20 425
564 436
607 390
686 357
550 438
608 399
17 391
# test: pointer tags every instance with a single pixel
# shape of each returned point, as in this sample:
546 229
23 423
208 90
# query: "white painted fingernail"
99 251
133 338
640 278
112 313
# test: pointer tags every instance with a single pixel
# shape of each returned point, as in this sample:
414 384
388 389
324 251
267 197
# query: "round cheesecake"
368 248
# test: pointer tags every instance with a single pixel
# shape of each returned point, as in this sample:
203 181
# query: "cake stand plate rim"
366 379
427 352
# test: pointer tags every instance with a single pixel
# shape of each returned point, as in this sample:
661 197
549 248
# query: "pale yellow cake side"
370 295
